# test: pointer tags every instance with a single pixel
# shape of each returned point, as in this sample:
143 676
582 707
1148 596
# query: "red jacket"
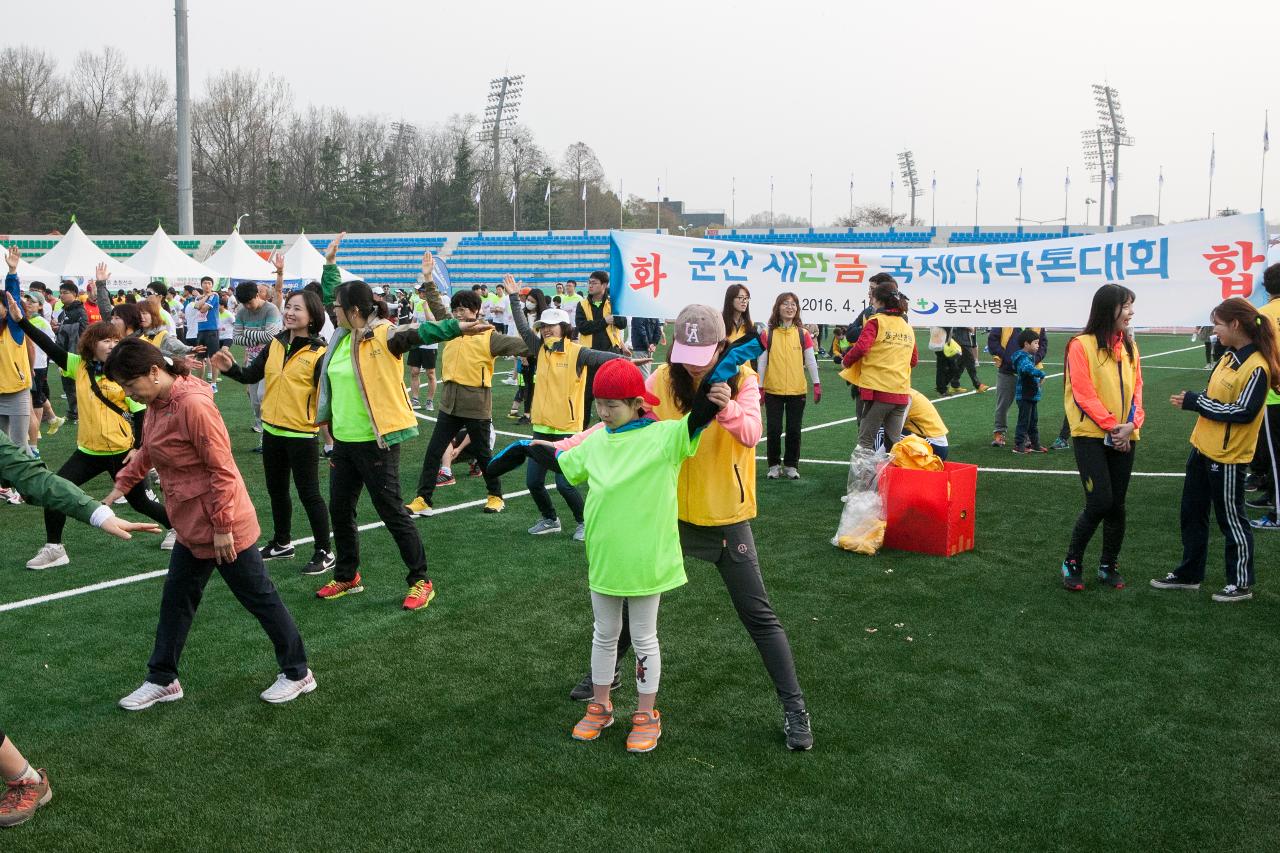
185 440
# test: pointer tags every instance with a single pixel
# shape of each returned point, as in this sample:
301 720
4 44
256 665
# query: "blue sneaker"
1072 576
1267 522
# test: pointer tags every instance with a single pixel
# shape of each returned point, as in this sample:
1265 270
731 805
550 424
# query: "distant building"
1144 220
690 218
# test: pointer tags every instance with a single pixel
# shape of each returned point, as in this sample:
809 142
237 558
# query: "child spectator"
1029 377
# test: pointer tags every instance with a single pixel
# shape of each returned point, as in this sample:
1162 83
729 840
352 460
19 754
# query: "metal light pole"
1097 158
1159 193
907 167
186 216
1066 200
733 200
771 204
811 201
1112 126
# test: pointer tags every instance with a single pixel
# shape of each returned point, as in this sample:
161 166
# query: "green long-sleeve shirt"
41 486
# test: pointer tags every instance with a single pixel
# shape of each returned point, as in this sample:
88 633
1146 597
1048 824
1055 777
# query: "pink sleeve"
209 440
1139 414
577 438
741 418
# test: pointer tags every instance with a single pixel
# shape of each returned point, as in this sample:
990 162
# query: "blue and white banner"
1179 272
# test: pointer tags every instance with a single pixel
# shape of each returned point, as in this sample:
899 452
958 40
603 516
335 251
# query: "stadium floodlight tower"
1111 123
907 167
500 114
1099 160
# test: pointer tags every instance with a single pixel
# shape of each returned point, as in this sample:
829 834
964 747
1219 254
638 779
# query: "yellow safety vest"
1115 382
157 337
784 368
1225 442
606 308
380 376
560 389
923 418
886 366
15 363
468 361
1272 310
102 430
717 485
739 331
289 393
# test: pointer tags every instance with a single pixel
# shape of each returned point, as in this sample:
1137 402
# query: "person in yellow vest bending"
880 363
788 356
924 421
1222 443
1102 398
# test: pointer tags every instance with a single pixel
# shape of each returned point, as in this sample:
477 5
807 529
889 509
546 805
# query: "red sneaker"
336 588
420 595
21 799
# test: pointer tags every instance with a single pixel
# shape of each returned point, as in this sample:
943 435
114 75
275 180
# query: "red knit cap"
619 379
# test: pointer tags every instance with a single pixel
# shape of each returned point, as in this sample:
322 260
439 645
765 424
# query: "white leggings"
643 612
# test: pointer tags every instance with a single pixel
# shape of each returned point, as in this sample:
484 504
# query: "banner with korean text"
1179 272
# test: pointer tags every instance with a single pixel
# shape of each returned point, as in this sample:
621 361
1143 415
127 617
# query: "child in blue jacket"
1027 393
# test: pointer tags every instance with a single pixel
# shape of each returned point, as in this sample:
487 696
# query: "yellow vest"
1006 332
1272 310
717 485
380 375
156 337
923 418
560 389
1114 381
289 394
738 331
468 361
102 430
1224 442
589 310
784 368
15 364
886 366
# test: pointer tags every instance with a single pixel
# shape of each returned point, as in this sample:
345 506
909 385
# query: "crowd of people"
324 368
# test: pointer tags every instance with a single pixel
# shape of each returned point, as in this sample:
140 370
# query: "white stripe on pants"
643 611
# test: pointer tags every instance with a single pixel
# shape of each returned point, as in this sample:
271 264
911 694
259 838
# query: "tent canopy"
303 262
161 258
76 256
236 260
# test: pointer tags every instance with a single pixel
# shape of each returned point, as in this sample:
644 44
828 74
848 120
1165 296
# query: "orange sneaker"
646 728
420 595
598 719
21 799
336 588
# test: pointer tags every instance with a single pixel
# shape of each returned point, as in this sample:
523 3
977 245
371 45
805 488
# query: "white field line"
145 576
845 462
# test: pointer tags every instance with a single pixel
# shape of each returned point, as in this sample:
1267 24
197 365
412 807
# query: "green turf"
1017 716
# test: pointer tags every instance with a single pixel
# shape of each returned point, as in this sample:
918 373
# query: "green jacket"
41 486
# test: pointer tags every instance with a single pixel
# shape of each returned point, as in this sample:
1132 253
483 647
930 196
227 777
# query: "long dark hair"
540 302
1108 301
1259 328
315 310
775 318
684 389
358 296
730 294
887 294
134 357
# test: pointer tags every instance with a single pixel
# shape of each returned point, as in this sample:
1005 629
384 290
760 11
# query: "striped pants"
1218 485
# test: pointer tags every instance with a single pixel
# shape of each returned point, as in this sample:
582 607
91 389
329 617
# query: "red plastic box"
930 512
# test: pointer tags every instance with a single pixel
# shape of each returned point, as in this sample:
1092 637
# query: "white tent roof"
161 258
28 273
303 262
236 260
76 256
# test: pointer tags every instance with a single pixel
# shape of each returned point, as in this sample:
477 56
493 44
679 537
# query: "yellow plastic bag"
864 539
912 451
951 349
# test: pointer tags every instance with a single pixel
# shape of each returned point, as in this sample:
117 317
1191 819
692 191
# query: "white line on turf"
845 462
146 576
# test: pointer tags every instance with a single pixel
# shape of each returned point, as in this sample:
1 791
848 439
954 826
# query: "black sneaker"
1253 483
1262 500
795 725
1072 575
321 562
1109 575
272 551
582 691
1231 593
1172 581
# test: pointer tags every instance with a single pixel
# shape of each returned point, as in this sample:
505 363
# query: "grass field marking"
496 431
1007 470
146 576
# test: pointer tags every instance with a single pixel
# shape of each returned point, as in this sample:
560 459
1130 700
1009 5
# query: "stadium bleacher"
387 261
861 237
536 260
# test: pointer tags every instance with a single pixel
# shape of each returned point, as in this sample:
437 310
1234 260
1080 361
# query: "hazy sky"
698 93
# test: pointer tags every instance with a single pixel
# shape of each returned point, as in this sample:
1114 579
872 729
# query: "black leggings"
777 408
282 457
1105 474
536 481
82 467
447 426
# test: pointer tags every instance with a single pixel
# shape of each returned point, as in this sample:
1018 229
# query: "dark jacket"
1005 353
645 331
72 321
593 333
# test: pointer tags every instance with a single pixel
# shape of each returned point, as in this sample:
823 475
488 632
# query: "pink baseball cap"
699 330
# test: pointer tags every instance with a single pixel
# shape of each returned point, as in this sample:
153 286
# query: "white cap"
552 317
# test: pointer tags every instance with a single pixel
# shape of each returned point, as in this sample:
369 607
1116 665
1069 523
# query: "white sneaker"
49 556
166 544
120 501
149 694
775 471
545 526
285 690
580 533
790 473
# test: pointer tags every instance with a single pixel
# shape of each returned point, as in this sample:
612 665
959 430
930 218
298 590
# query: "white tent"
77 257
161 258
236 260
28 273
303 262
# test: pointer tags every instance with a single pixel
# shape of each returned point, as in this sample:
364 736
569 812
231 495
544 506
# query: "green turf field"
963 703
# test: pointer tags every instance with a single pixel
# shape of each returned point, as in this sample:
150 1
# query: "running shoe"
166 544
51 555
1267 522
445 478
10 496
580 533
256 428
416 403
1072 576
982 389
21 799
419 596
328 451
1252 483
1060 444
285 689
790 472
1110 576
55 425
646 728
418 508
494 504
597 719
336 588
272 551
956 389
583 690
429 406
1261 500
1172 581
523 420
1037 448
798 731
513 414
321 561
475 471
997 439
544 526
1019 449
149 694
1231 593
775 471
